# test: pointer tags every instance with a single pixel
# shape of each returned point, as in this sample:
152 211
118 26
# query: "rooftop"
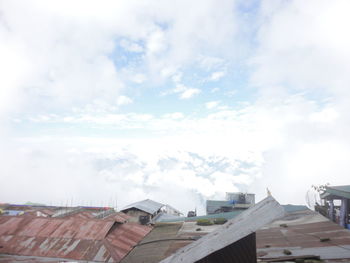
147 205
337 191
71 238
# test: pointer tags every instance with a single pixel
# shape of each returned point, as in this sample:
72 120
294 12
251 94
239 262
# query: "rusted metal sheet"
70 238
119 217
305 235
125 237
47 227
83 215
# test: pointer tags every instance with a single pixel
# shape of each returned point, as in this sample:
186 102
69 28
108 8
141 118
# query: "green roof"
227 215
294 208
338 191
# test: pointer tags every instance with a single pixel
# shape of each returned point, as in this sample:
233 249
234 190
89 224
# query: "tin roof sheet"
71 238
234 230
125 237
83 215
147 205
160 243
302 233
166 238
118 216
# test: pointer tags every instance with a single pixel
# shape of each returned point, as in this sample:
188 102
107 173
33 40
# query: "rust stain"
71 238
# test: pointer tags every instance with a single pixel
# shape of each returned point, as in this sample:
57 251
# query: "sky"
106 103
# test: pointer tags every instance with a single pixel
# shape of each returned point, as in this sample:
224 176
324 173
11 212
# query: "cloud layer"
123 100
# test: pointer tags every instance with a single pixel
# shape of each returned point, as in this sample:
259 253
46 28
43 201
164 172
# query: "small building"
234 201
336 204
146 210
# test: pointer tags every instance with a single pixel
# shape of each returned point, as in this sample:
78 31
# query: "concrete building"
234 201
146 210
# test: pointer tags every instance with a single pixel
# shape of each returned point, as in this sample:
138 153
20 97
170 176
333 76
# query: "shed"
145 208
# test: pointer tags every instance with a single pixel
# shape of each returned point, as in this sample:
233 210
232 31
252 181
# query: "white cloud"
156 42
139 78
123 100
249 149
212 104
183 91
73 68
174 116
303 46
189 93
60 67
215 76
130 46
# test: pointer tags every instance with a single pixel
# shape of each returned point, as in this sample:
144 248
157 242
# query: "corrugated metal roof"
341 190
118 216
5 258
48 227
231 232
161 217
174 235
71 238
147 205
125 237
301 238
160 243
82 215
293 208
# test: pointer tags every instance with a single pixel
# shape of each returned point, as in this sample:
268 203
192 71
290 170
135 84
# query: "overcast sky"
111 102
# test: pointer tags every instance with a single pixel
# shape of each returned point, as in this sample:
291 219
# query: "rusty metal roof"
118 216
82 215
70 238
125 237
